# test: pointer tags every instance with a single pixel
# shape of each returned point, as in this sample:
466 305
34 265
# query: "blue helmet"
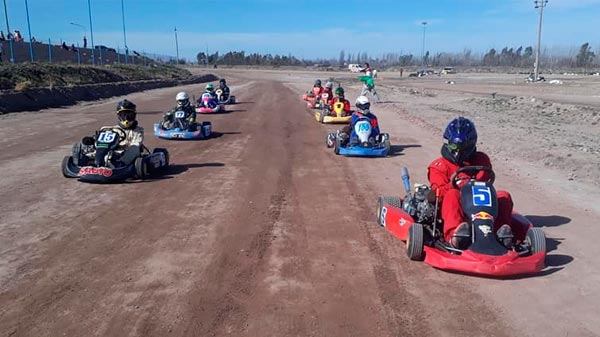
460 140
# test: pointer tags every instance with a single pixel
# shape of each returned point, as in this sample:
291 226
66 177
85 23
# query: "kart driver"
211 90
212 103
328 90
224 88
317 88
459 149
362 105
130 147
183 104
339 97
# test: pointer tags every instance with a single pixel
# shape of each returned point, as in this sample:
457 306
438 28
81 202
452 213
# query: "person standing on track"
368 82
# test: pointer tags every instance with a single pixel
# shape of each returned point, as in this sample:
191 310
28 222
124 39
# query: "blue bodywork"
204 131
361 151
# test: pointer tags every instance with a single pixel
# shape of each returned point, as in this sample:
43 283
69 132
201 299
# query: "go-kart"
208 104
338 115
223 98
414 219
183 129
361 143
97 159
313 98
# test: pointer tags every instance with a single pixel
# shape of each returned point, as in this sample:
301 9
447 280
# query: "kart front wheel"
338 144
414 242
65 166
536 240
158 150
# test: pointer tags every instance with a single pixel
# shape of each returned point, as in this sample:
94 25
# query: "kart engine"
425 210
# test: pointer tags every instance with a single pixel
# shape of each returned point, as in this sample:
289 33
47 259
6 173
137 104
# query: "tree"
342 57
201 57
585 56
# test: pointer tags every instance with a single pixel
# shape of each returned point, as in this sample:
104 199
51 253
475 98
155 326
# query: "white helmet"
183 99
362 103
329 85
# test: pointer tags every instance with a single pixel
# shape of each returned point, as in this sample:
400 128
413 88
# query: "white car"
354 68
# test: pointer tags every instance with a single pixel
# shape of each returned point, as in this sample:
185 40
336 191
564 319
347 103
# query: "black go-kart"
98 159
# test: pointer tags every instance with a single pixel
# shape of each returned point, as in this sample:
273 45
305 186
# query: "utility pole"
10 41
29 28
539 4
424 23
176 46
124 35
91 33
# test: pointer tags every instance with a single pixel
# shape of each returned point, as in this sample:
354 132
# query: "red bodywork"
312 97
396 221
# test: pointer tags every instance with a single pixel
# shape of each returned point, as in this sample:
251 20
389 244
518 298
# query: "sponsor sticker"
482 216
102 171
485 229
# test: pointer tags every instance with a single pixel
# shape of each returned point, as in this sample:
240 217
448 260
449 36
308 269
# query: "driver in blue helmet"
459 150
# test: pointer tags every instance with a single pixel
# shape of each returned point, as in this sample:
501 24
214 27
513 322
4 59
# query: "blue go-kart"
182 129
361 142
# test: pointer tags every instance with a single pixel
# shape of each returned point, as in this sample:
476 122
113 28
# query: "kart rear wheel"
414 242
536 240
141 168
381 202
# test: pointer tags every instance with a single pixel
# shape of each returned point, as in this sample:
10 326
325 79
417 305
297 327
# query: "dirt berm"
53 97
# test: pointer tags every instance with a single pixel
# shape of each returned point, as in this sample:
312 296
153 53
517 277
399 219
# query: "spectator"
401 71
84 42
9 36
2 38
64 46
33 40
18 37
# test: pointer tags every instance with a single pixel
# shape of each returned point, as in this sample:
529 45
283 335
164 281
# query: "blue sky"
312 28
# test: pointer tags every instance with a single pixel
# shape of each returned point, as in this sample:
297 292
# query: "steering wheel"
473 170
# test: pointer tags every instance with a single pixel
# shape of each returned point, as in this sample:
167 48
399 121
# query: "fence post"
100 51
49 51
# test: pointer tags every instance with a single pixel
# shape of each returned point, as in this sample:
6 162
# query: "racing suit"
343 100
169 117
329 92
131 147
368 86
439 174
358 114
225 90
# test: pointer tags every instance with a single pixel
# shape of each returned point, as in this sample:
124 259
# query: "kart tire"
382 201
536 240
322 116
414 242
338 144
64 165
159 149
141 168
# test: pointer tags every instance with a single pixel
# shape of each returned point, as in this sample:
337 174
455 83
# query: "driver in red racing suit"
459 150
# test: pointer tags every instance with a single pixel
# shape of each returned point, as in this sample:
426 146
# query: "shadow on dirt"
151 112
217 134
397 150
548 220
176 169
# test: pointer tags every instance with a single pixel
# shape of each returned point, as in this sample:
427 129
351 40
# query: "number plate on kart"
482 196
179 114
106 136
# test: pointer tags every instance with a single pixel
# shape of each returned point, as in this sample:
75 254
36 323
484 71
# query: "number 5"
482 196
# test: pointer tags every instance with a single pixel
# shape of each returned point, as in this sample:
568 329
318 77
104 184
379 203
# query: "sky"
310 29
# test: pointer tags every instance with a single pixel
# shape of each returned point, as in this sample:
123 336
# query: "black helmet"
126 113
318 82
222 81
460 140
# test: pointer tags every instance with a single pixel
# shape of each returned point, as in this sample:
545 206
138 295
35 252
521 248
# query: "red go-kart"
313 98
415 220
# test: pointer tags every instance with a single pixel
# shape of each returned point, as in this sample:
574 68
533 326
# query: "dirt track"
259 232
